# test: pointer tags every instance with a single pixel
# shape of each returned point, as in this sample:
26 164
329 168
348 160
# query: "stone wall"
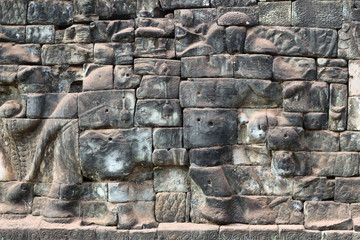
180 117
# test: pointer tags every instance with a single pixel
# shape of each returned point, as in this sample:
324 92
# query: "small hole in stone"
285 135
198 119
106 110
211 124
127 75
110 139
198 93
209 182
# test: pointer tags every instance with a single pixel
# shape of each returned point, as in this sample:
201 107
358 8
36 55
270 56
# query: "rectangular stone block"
116 31
338 107
95 191
125 78
232 3
251 155
347 190
97 77
294 68
228 16
164 138
40 34
291 163
332 74
327 216
348 46
235 39
173 4
151 27
99 213
325 141
107 109
211 156
13 12
187 231
335 164
158 87
275 13
230 93
11 53
354 78
172 157
313 188
12 33
285 138
151 66
202 66
350 141
301 96
110 10
293 232
316 121
137 215
50 12
131 191
235 231
67 54
253 66
170 207
154 47
296 42
165 113
8 74
113 53
353 121
77 34
209 127
171 180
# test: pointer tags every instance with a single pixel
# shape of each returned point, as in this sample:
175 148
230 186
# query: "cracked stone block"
154 47
335 164
107 109
208 157
158 87
113 53
13 12
165 113
301 96
238 16
67 54
12 34
294 68
197 33
275 13
97 77
206 128
136 215
251 155
235 39
50 12
167 138
347 190
353 113
40 34
338 107
171 180
170 207
315 121
100 213
313 188
131 191
253 66
172 157
350 141
323 14
19 53
296 41
125 78
152 66
327 216
113 153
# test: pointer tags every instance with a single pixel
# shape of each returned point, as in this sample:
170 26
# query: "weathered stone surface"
172 157
150 66
131 191
205 127
95 191
313 188
158 87
113 53
100 213
197 33
260 232
251 155
293 232
354 78
8 74
295 41
231 3
353 113
50 12
120 151
235 231
203 66
348 43
115 8
187 231
155 27
66 79
285 138
166 113
171 180
11 53
338 107
12 34
327 215
253 66
305 96
347 190
171 4
154 47
146 234
13 12
235 39
335 164
326 141
124 77
228 16
115 31
136 215
77 33
52 106
40 34
350 141
167 138
290 163
275 13
97 77
294 68
323 14
208 157
229 92
107 109
332 74
67 54
170 207
316 121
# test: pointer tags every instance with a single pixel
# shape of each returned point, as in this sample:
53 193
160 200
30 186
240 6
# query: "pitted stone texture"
208 127
173 4
347 190
235 39
155 27
253 66
197 33
67 54
107 109
232 3
124 77
294 68
171 180
350 141
170 207
40 34
154 47
327 215
13 12
151 66
301 96
131 191
19 53
158 87
173 231
12 34
50 12
167 138
97 77
275 13
238 16
204 66
112 154
165 113
230 93
295 41
113 53
313 188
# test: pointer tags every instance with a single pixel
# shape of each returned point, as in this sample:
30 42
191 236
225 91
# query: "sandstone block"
172 157
8 74
100 213
158 87
95 191
171 4
332 74
275 13
12 34
326 141
294 68
174 231
154 47
235 231
113 53
131 191
124 77
13 12
11 53
150 66
235 39
246 16
316 121
50 12
115 31
348 45
155 27
77 34
97 77
291 163
170 207
350 141
285 138
208 157
167 138
253 66
67 54
136 215
171 180
354 78
40 34
346 190
251 155
313 188
338 107
353 113
231 3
